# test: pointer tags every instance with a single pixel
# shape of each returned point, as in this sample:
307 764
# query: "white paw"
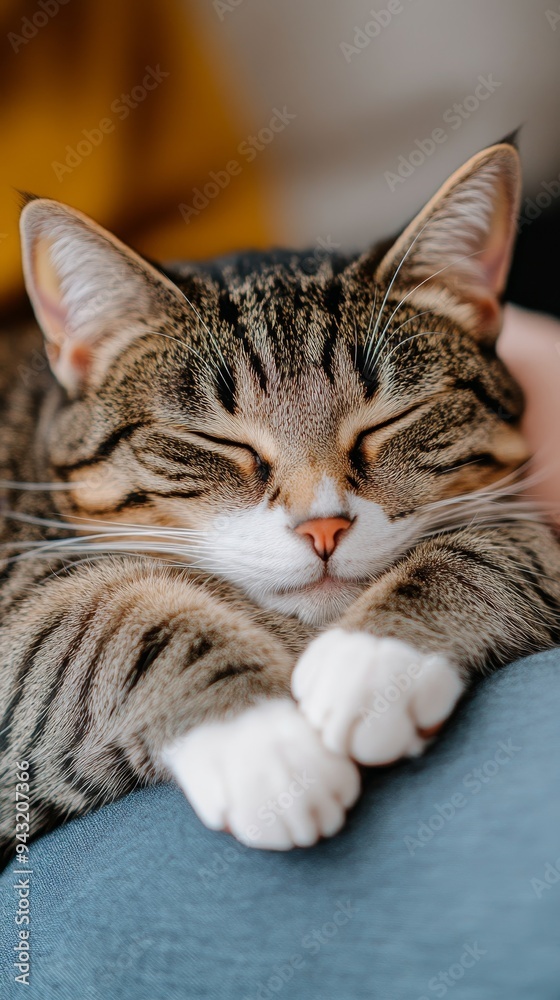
374 699
265 776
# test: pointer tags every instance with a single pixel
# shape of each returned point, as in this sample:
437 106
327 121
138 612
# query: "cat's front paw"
265 776
374 699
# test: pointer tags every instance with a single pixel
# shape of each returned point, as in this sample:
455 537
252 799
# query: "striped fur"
197 415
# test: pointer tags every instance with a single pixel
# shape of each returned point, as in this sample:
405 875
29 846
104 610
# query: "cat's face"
291 433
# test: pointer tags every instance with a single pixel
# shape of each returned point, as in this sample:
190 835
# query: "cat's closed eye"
261 466
394 419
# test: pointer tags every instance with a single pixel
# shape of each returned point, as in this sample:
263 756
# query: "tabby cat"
260 524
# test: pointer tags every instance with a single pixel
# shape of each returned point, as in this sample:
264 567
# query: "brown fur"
107 657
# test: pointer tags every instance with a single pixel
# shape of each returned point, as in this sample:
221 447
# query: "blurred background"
195 128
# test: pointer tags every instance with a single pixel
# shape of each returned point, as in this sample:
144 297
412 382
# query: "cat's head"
293 433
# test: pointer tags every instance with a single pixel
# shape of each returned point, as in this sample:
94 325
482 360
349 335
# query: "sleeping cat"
260 524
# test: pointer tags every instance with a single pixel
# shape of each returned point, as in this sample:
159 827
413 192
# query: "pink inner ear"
495 259
79 358
54 315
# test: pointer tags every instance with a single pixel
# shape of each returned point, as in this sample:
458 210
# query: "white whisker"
390 286
452 263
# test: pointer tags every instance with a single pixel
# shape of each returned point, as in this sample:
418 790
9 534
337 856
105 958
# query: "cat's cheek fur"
265 776
375 699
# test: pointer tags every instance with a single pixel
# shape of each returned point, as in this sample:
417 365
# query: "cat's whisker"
411 291
188 347
116 537
425 312
97 557
8 484
390 286
372 314
407 340
83 522
58 548
206 328
355 344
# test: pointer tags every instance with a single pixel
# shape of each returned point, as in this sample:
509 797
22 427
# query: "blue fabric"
446 881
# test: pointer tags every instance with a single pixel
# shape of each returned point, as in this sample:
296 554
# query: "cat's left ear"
91 294
460 245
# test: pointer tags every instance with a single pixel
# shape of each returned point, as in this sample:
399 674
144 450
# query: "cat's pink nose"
325 533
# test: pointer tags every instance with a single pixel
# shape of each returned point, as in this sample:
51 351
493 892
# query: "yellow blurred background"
58 84
293 117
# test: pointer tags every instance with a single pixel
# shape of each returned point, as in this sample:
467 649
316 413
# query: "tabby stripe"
7 571
329 346
233 670
105 449
476 557
543 595
51 815
92 793
139 498
154 641
199 647
83 783
68 659
228 310
254 357
481 458
128 777
181 494
176 458
28 663
332 301
490 402
226 392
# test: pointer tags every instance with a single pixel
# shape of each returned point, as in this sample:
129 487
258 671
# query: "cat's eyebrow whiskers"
187 347
389 288
411 291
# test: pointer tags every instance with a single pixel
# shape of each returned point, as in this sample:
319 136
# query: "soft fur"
154 593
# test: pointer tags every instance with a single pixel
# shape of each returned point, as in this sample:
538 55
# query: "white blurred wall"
357 113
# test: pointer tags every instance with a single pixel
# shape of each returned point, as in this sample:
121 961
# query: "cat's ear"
91 294
461 242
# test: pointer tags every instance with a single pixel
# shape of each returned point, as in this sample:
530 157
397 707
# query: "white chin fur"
257 550
314 607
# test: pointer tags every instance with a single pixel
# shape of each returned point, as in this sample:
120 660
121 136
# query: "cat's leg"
380 684
105 673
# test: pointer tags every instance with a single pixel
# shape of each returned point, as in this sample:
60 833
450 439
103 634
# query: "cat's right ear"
91 294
